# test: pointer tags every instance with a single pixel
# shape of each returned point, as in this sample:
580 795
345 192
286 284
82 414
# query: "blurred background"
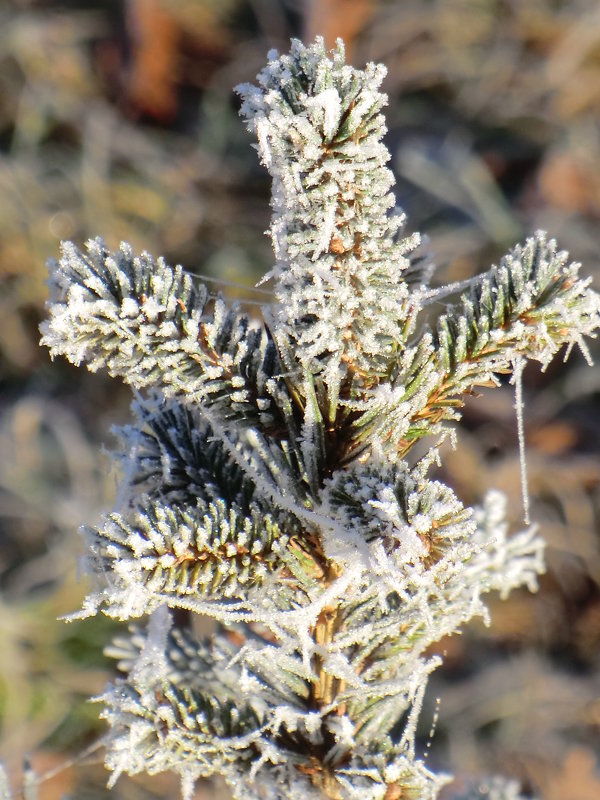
117 118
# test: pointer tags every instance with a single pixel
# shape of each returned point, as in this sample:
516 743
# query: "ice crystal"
267 477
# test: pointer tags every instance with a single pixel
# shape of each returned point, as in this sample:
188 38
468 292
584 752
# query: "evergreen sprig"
528 307
152 326
177 553
344 305
267 480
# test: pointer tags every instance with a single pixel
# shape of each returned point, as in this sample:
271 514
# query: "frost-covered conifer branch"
214 549
149 324
264 478
528 307
339 278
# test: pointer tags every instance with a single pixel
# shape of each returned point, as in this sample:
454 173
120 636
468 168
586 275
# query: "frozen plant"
269 479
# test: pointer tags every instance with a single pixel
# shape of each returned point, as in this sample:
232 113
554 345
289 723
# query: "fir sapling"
269 479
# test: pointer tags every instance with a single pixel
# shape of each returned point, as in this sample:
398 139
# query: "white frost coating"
328 101
152 308
327 228
331 200
129 307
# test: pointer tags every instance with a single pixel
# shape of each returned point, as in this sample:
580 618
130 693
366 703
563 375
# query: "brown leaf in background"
572 67
575 779
567 182
334 19
554 438
153 72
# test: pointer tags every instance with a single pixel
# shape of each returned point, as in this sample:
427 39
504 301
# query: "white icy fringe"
434 554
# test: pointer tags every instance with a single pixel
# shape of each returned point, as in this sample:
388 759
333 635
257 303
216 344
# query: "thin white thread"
242 301
434 722
231 284
31 780
432 295
517 380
